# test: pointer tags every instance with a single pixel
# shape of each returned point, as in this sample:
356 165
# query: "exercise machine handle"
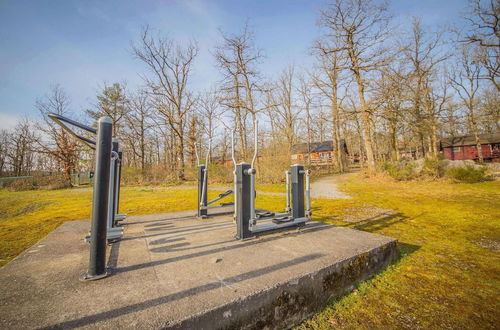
60 120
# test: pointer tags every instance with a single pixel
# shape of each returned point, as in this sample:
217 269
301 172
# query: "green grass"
449 272
28 216
448 275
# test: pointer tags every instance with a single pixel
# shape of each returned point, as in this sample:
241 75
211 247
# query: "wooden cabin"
465 148
322 153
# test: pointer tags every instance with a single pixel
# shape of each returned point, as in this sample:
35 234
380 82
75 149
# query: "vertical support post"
202 191
298 210
242 200
116 149
100 203
112 175
120 154
287 188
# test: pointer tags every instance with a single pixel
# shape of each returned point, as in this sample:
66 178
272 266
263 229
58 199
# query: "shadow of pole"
91 319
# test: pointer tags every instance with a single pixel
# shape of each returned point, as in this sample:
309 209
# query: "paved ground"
173 270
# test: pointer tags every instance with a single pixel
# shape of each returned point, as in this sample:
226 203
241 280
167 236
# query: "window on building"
456 149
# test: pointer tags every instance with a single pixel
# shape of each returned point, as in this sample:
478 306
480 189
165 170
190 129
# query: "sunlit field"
447 275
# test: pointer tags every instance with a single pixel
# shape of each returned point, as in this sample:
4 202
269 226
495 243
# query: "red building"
465 148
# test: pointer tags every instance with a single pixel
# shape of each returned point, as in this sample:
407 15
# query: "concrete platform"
175 271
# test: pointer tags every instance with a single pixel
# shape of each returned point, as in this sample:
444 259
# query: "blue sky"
83 44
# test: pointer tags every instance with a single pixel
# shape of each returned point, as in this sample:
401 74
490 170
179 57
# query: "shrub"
53 182
402 171
433 167
21 185
468 174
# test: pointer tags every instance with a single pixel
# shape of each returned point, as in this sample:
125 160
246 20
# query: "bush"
468 174
433 167
402 171
21 185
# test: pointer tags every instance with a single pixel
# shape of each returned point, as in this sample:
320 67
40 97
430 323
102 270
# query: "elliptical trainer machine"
251 222
204 205
113 232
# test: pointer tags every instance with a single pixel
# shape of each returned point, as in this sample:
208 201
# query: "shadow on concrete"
238 245
175 229
171 248
166 240
158 220
226 282
113 256
198 229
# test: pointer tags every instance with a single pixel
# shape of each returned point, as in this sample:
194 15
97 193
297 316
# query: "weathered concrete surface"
173 270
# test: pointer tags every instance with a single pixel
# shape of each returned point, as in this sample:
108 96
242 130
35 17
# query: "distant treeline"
389 92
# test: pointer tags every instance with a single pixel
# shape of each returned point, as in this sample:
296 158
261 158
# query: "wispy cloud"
8 121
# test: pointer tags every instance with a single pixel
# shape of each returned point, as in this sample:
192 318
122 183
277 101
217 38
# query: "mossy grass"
448 275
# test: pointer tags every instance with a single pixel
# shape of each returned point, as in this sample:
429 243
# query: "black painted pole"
120 155
100 203
298 210
242 201
202 191
115 180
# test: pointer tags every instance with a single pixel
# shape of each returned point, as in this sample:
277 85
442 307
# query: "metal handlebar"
196 154
255 141
59 119
205 172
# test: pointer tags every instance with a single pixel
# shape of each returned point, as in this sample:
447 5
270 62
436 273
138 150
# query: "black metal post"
242 201
202 191
100 203
120 154
298 209
114 200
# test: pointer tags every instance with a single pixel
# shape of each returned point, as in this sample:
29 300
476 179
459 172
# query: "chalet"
464 147
321 152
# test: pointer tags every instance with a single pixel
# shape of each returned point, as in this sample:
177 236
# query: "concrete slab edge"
287 304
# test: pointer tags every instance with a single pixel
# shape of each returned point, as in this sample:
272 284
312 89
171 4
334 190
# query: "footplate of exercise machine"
270 227
112 235
282 219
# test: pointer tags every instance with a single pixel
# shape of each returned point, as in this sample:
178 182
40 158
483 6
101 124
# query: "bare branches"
170 66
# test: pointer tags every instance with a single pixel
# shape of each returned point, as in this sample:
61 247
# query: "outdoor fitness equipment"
106 191
247 217
203 203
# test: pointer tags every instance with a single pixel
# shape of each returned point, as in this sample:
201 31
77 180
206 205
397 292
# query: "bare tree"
210 113
54 140
283 106
391 95
237 59
21 148
170 65
111 102
484 18
331 66
423 54
306 97
4 149
139 125
359 28
465 81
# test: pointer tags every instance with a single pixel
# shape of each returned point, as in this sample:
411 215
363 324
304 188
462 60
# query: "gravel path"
327 187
